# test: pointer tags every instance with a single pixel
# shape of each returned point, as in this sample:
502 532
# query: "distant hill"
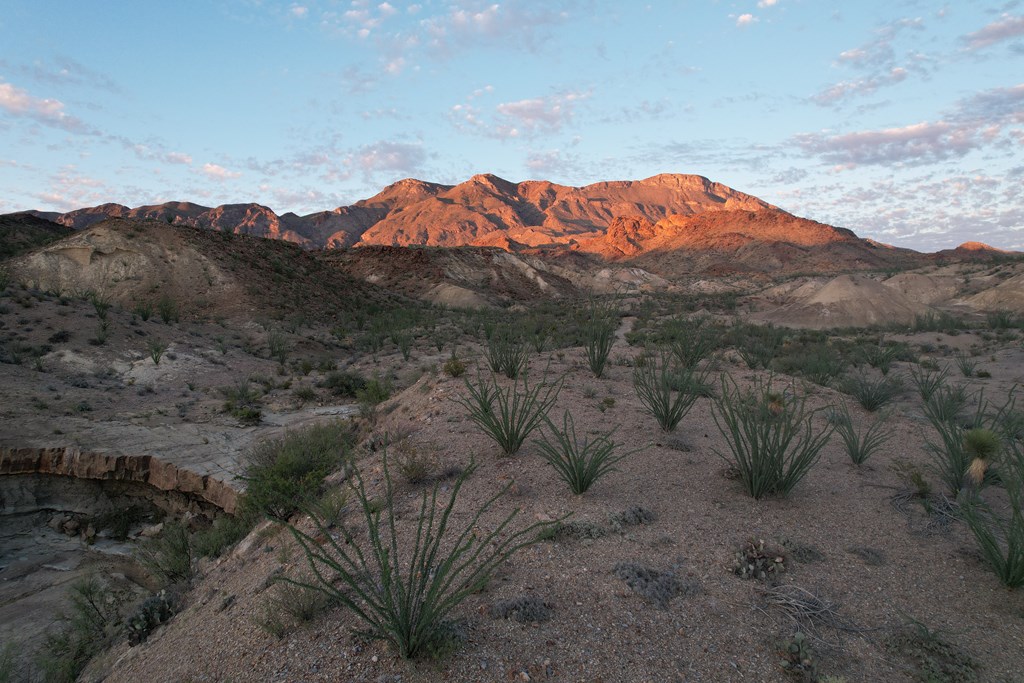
668 224
22 232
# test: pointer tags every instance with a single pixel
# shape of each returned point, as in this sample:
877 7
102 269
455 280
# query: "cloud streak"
1007 27
20 103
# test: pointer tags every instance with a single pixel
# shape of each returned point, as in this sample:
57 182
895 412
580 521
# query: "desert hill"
20 232
481 211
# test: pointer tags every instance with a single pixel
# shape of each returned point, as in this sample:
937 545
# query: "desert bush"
926 381
771 436
507 353
143 309
691 339
168 557
579 465
243 403
940 322
653 380
156 349
454 366
1000 539
658 587
90 627
819 362
879 356
526 609
634 515
860 446
872 394
403 589
946 403
152 612
508 415
167 308
226 531
997 320
283 475
959 440
965 363
599 334
343 383
403 339
277 345
304 394
758 345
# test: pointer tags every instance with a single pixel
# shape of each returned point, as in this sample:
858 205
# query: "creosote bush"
578 464
282 475
404 586
508 415
771 436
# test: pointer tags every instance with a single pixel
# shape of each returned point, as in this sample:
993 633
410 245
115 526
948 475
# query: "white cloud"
299 11
1007 28
745 19
178 158
388 157
48 111
767 3
218 172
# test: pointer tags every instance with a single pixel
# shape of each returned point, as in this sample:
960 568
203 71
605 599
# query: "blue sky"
901 120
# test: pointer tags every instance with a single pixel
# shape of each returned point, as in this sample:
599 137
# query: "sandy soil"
881 566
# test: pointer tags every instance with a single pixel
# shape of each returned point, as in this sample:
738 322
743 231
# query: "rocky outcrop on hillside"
142 469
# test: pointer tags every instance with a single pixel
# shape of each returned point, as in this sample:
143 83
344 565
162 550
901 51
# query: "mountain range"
668 223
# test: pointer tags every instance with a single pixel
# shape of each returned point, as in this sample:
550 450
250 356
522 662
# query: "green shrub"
872 394
771 436
691 339
1001 540
958 444
277 345
579 465
508 415
168 557
599 334
454 366
653 380
343 383
156 350
283 475
879 356
88 630
965 363
226 531
507 353
243 403
144 309
946 403
167 308
927 381
404 589
860 447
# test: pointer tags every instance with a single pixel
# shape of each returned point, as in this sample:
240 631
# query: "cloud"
918 143
972 123
218 172
1007 27
767 3
299 11
69 190
552 163
64 70
520 23
520 118
745 19
844 90
50 112
178 158
388 157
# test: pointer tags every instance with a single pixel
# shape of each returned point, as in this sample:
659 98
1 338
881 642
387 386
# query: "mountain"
484 211
21 232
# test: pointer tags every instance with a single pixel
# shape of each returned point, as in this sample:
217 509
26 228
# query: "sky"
901 120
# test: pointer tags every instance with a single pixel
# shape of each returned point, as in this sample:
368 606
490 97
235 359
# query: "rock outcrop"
142 469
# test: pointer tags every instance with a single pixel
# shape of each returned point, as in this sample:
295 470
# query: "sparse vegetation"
770 434
599 333
283 475
653 380
242 402
508 415
156 349
1000 538
578 465
405 591
860 446
872 394
507 353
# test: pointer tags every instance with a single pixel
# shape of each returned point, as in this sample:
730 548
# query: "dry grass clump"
526 609
657 587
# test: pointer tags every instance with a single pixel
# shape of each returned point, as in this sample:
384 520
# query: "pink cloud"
48 111
218 172
1007 28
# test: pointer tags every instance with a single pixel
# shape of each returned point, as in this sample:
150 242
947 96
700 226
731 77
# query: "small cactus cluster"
756 561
